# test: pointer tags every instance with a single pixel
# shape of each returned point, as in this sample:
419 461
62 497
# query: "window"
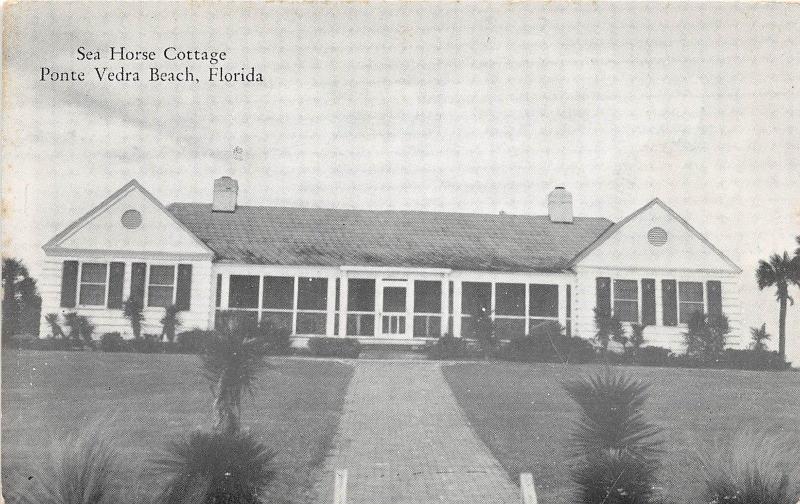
690 299
312 305
427 309
509 300
161 288
93 284
626 300
278 301
475 297
361 307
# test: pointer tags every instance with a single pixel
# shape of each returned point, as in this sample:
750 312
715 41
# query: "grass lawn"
155 397
523 415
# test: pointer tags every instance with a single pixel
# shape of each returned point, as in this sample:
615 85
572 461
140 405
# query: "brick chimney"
226 190
559 205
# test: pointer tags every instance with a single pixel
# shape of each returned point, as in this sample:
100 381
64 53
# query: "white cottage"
399 277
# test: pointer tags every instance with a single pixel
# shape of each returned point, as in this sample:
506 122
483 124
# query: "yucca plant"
132 310
215 467
231 362
85 469
752 468
170 322
759 337
616 450
55 326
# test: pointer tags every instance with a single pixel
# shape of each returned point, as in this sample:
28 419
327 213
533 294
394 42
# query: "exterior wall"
585 301
111 320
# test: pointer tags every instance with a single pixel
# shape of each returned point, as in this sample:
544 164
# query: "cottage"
399 277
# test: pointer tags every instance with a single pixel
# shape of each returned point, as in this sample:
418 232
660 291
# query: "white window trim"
638 299
147 284
104 304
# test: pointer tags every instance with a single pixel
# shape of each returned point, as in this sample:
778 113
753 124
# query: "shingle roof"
326 237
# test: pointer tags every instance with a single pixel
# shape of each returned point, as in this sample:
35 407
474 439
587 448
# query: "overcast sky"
461 107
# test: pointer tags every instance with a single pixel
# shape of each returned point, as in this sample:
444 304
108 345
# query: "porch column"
343 305
445 305
330 307
410 309
226 284
562 305
457 308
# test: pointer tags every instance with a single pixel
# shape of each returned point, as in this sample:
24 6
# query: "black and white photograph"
400 252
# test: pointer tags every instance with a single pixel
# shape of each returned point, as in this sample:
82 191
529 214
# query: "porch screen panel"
543 309
476 297
278 301
427 309
361 307
626 300
312 305
69 284
714 295
669 302
648 301
243 292
509 309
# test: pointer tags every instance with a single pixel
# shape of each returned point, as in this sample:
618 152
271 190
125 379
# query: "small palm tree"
780 271
170 322
637 337
760 336
132 310
55 326
231 362
616 449
608 328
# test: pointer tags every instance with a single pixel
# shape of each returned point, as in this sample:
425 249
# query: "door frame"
408 285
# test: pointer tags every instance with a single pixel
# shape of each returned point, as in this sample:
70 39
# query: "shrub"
705 336
278 339
144 345
449 347
484 329
85 469
753 468
654 356
547 343
193 341
749 359
607 327
112 342
170 322
216 468
637 337
616 448
348 348
55 328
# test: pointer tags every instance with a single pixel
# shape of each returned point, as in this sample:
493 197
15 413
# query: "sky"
453 107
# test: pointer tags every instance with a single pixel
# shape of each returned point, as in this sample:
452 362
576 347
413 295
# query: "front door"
393 322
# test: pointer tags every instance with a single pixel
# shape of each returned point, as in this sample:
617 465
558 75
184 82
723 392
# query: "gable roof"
86 218
655 201
328 237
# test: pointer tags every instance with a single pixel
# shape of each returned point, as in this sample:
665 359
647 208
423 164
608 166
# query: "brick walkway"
404 439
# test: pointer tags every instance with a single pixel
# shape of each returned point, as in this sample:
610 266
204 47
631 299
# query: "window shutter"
669 300
138 272
183 295
714 293
648 301
69 284
219 291
116 277
604 295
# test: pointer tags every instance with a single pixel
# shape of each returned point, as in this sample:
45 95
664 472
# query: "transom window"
690 300
94 277
161 286
626 300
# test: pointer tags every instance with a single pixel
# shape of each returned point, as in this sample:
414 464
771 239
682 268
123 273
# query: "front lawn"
155 397
521 412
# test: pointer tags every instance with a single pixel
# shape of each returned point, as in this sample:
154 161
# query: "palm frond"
216 468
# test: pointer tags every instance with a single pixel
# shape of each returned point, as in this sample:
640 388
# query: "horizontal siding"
108 320
668 337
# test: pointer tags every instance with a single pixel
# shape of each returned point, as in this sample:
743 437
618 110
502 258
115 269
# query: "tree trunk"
782 330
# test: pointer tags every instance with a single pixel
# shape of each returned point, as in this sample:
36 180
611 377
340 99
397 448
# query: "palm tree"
170 322
21 300
780 271
231 362
132 310
759 335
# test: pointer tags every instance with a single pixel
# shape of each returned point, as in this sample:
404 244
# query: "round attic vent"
131 219
657 236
